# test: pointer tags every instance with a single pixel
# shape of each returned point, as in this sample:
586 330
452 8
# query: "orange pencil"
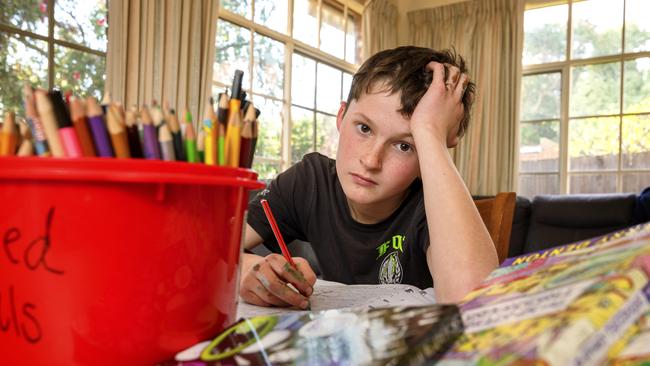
117 131
9 135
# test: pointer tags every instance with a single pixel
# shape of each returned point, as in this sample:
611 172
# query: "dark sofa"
550 220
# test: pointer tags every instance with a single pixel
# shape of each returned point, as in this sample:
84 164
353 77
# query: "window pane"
21 59
347 84
82 21
593 144
592 183
597 28
305 21
635 182
332 31
270 127
540 147
353 39
637 28
327 136
545 34
303 81
302 133
29 15
328 92
540 96
269 66
81 72
241 7
636 85
272 13
266 170
595 89
636 142
232 52
533 185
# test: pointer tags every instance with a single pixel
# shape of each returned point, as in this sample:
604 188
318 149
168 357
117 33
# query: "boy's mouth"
361 180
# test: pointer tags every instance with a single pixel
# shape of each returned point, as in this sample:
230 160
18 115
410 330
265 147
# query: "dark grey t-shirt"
309 204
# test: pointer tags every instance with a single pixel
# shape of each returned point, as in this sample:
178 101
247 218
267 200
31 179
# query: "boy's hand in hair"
439 112
265 283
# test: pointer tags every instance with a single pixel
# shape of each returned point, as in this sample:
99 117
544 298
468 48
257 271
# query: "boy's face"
376 160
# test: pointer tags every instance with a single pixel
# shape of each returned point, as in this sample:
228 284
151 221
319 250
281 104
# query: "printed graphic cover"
584 303
381 336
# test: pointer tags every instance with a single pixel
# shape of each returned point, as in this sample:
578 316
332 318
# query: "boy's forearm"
461 252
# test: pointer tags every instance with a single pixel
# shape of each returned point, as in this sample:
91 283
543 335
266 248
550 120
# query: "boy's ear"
339 115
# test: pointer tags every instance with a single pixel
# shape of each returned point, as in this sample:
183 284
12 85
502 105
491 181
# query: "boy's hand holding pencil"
266 282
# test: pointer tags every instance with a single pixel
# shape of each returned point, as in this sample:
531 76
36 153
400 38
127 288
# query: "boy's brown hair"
403 70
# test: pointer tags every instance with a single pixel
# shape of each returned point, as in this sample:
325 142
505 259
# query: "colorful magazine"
578 304
382 336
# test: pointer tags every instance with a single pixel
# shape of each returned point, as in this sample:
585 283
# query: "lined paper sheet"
333 295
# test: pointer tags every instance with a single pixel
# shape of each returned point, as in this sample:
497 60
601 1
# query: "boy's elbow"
454 290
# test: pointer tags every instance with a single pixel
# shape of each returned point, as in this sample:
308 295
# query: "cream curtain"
488 34
161 50
379 30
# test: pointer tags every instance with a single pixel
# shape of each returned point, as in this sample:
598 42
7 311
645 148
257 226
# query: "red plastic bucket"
120 262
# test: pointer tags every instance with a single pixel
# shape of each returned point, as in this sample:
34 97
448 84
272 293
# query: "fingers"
461 86
261 285
452 81
302 279
307 272
452 78
438 70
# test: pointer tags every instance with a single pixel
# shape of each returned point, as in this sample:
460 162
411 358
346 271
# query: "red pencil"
276 232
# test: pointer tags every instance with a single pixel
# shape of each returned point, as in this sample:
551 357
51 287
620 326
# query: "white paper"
333 295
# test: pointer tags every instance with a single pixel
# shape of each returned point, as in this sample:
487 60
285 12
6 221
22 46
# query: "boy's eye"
363 128
404 147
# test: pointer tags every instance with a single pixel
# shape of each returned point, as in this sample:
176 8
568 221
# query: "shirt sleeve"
289 198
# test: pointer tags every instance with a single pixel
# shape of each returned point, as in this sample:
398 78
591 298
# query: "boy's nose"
372 159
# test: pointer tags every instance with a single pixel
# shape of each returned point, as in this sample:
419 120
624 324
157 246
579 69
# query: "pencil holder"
116 262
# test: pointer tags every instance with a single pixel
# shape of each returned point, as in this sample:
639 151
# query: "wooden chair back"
497 214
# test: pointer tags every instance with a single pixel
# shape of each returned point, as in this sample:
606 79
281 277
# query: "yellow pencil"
210 129
233 133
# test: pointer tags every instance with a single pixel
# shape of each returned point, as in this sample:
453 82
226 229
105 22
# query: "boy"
392 208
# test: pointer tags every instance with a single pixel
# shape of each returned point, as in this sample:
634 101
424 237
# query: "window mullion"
50 44
564 129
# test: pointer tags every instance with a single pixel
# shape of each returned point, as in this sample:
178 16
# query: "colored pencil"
26 147
191 152
222 116
132 132
44 107
177 136
39 139
151 147
233 133
246 137
9 135
276 232
98 129
80 122
211 132
66 130
166 143
117 131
